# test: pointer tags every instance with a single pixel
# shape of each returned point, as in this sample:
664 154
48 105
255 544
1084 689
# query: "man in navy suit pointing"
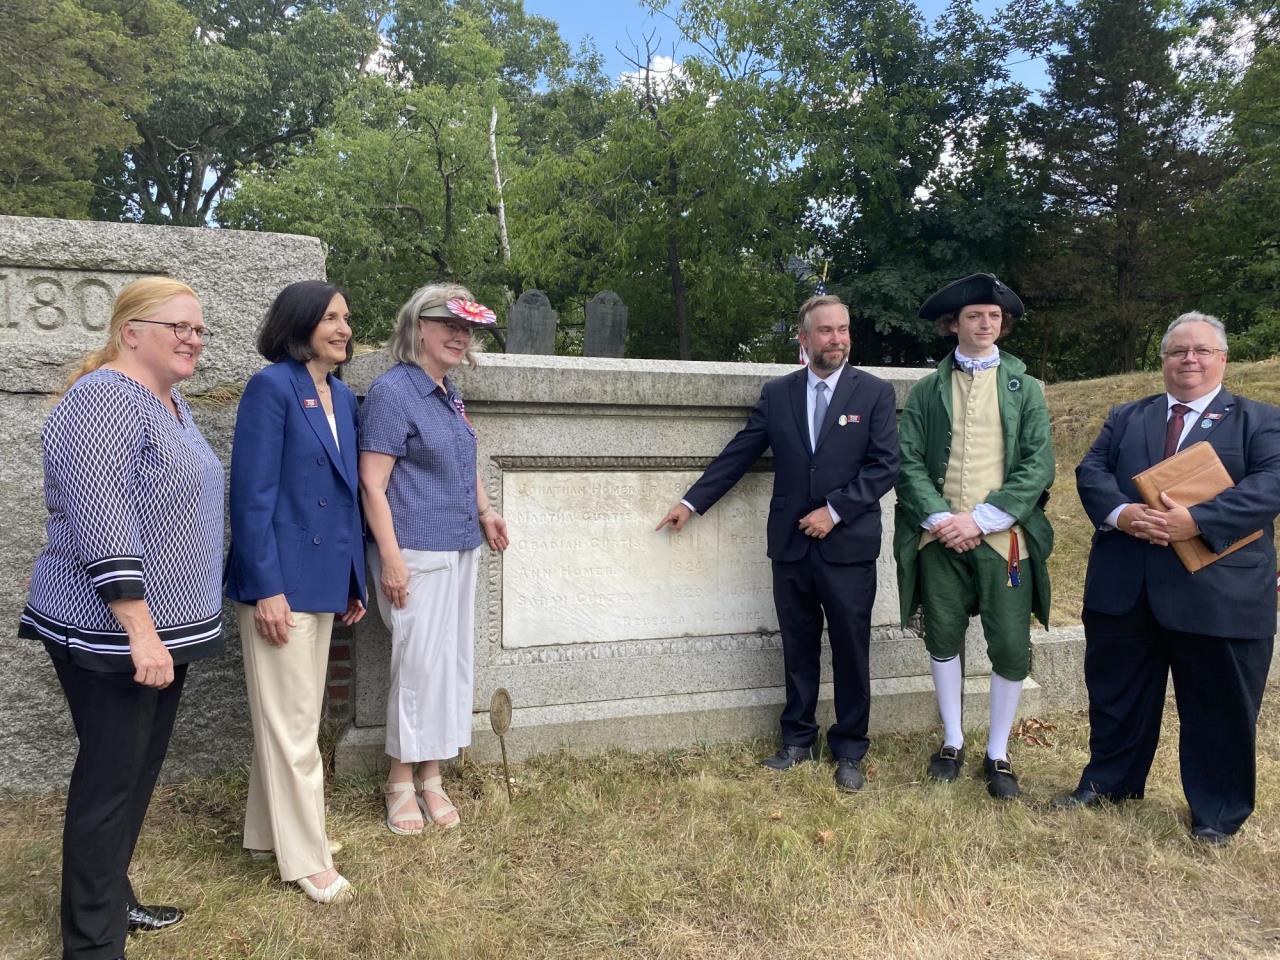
1146 616
832 431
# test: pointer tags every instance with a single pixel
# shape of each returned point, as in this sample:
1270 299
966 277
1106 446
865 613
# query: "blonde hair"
134 302
403 345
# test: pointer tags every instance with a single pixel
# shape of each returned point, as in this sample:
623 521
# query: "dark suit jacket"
1234 597
295 513
853 467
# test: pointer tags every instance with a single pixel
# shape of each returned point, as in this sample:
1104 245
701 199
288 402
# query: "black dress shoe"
788 756
156 917
1001 783
1210 837
946 763
1079 797
849 776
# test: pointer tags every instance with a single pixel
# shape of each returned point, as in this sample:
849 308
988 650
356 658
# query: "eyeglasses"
455 326
183 331
1200 353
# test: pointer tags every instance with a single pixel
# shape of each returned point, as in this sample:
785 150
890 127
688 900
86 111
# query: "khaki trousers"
285 812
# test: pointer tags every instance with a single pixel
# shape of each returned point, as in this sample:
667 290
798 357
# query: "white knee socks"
1004 707
948 682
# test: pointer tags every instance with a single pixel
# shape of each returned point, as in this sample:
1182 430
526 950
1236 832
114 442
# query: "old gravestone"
58 279
531 327
606 326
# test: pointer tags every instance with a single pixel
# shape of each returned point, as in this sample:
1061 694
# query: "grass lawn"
702 853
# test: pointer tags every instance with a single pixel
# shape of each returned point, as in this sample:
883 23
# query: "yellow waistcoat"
976 463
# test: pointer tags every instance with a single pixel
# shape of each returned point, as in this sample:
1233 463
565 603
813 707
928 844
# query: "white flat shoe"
340 889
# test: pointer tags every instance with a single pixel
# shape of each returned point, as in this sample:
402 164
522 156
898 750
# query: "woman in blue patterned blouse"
427 513
128 591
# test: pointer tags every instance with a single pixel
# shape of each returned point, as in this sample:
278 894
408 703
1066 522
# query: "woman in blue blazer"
296 562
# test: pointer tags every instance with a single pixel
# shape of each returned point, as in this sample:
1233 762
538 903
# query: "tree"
910 160
398 188
1120 161
679 201
1236 227
73 71
256 79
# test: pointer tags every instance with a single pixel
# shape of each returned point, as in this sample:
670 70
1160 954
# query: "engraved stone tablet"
586 566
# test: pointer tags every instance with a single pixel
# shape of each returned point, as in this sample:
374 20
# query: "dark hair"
945 320
293 317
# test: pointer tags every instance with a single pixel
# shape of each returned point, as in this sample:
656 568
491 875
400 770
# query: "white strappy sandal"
433 785
397 797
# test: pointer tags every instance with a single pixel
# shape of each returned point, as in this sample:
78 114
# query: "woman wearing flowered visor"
427 514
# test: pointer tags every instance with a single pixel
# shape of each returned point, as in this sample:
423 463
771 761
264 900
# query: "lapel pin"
1206 423
843 420
855 418
310 403
1014 384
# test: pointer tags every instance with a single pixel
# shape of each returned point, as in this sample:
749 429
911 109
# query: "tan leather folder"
1192 475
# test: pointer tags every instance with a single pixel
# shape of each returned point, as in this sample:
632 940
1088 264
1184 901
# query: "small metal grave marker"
500 721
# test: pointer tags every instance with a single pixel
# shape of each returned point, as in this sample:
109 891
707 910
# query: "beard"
829 360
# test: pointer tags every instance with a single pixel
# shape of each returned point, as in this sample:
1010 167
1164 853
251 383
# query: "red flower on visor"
476 313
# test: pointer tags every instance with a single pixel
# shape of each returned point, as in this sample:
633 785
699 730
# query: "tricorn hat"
978 288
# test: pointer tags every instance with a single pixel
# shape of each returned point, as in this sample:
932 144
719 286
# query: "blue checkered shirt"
135 511
432 490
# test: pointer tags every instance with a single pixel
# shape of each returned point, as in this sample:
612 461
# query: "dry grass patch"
702 853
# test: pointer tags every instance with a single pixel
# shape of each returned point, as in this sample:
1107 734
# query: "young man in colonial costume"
971 535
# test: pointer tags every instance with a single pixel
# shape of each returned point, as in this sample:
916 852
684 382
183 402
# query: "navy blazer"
855 464
1234 597
295 513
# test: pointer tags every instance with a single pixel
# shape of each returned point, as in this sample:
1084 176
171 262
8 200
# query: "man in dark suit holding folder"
832 432
1145 615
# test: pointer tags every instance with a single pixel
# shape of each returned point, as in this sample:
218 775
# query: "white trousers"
432 650
285 812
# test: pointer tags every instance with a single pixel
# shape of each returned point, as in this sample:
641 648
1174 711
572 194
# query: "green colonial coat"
924 439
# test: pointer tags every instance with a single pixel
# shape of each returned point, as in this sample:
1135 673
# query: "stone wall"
605 632
57 281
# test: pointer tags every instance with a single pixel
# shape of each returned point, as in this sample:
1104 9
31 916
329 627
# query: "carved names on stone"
586 566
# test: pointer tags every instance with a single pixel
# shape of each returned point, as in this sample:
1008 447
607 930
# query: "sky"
618 27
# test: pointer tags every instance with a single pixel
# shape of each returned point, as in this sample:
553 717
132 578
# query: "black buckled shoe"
148 918
946 763
1001 782
788 756
849 776
1079 797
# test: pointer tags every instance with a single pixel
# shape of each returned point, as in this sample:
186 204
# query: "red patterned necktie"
1173 432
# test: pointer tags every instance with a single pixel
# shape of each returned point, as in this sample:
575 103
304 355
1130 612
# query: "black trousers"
803 592
1218 684
123 729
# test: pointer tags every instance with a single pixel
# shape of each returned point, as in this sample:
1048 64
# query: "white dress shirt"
1198 407
810 403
